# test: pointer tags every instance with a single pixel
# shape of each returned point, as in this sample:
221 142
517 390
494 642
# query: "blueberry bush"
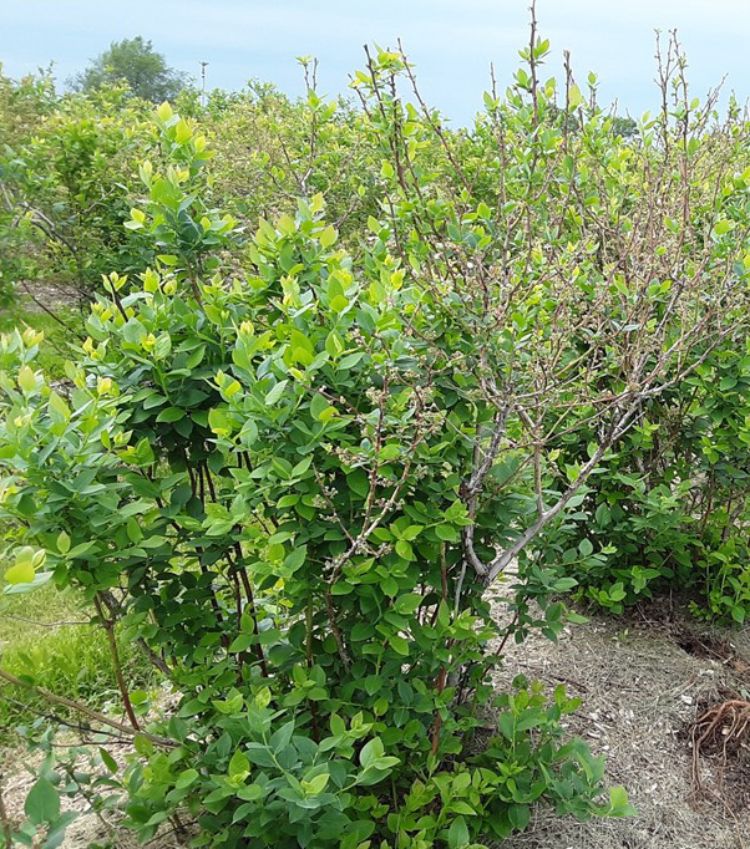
323 470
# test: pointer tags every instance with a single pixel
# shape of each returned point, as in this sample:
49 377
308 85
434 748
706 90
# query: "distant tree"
135 61
624 126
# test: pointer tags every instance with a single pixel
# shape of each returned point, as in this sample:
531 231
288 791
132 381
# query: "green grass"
20 614
46 635
40 638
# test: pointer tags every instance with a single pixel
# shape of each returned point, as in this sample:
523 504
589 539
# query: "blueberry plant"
65 181
300 475
671 509
23 105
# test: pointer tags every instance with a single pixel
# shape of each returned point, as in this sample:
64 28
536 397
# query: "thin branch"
84 710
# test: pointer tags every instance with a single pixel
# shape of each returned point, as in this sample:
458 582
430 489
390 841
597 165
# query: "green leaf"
170 414
251 793
63 542
407 604
350 360
399 644
241 643
164 112
519 816
316 785
182 131
447 533
404 549
26 379
58 406
389 586
42 803
219 422
280 739
295 559
575 97
275 393
371 751
108 760
21 573
358 482
619 804
328 236
318 406
390 452
133 530
585 548
444 614
239 765
286 224
576 618
723 226
231 705
339 303
186 778
362 631
40 579
458 834
302 466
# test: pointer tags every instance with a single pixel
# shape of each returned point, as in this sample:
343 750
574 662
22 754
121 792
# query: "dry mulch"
647 682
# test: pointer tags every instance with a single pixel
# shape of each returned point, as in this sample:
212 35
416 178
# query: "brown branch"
109 628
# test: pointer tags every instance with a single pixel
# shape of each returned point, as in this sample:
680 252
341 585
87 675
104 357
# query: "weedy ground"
49 635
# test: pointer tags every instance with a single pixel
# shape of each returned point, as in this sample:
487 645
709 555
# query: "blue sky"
452 42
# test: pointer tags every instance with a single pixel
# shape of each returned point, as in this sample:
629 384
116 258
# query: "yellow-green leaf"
21 573
183 133
286 225
164 112
63 543
328 236
57 405
575 98
26 379
315 785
